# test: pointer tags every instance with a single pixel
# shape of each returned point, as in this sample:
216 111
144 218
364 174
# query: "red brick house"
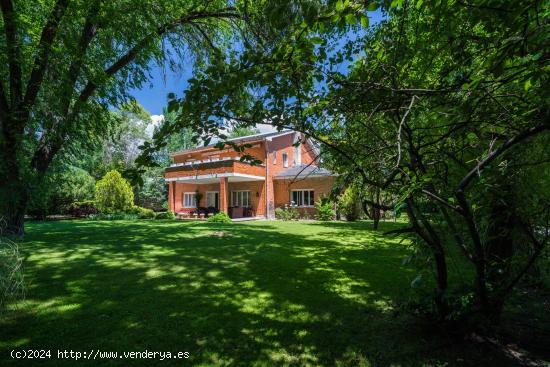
288 175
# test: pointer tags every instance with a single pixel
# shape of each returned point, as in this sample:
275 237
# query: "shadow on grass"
265 293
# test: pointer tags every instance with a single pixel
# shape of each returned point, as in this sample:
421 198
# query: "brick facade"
210 171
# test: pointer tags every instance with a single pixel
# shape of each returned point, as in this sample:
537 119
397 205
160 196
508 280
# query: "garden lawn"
251 293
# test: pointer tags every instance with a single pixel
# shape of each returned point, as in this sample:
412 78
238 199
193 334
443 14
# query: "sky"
153 95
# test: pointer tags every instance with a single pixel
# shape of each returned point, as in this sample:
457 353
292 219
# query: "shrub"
113 194
220 217
349 204
61 186
324 211
81 209
11 275
142 213
287 213
145 213
165 215
115 216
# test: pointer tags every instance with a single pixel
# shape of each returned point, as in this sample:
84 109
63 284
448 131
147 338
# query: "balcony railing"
209 167
210 160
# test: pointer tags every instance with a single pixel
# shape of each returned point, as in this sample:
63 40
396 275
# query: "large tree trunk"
13 195
13 186
376 209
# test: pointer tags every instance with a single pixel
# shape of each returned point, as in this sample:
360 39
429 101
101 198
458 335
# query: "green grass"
265 293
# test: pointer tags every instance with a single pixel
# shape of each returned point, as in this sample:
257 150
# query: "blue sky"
153 94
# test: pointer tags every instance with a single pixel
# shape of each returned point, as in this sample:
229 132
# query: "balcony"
209 171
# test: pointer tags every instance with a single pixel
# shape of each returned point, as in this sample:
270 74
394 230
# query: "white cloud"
265 128
155 121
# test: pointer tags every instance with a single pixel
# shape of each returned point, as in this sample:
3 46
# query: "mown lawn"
265 293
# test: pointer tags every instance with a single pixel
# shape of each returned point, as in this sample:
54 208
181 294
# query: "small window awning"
303 171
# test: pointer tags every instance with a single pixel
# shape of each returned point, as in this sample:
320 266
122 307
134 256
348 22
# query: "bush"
113 194
287 213
165 215
81 209
145 213
116 216
58 189
142 213
11 275
324 211
220 217
349 204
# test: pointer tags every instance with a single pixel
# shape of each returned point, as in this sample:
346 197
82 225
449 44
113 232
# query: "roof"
304 171
240 139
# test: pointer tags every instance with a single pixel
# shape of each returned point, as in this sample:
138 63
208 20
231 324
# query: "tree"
243 131
64 63
444 111
113 194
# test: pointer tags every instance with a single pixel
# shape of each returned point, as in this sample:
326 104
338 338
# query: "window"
189 200
274 157
285 160
302 197
297 156
240 198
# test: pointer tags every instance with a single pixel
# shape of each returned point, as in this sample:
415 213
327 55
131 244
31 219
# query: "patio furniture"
237 212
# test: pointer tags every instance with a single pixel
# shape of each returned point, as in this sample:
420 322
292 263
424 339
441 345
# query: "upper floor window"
274 157
189 200
285 160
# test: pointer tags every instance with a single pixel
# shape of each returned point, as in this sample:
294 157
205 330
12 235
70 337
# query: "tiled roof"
303 171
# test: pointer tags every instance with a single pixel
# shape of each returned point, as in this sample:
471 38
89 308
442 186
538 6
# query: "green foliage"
349 204
63 185
70 63
142 213
287 213
166 215
81 208
113 194
113 216
220 217
243 131
440 111
324 210
11 273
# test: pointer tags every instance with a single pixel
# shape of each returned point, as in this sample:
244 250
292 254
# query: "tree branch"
442 201
13 51
127 58
401 128
506 145
4 107
46 149
44 47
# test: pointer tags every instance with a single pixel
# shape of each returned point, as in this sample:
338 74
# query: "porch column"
172 196
223 195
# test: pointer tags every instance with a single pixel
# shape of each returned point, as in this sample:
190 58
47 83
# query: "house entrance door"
213 199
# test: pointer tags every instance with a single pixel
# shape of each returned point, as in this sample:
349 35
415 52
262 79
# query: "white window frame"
301 194
237 198
285 160
193 199
206 198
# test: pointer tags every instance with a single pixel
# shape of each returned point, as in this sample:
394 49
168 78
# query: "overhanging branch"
44 48
127 58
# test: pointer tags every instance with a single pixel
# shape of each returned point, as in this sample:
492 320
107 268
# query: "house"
208 177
